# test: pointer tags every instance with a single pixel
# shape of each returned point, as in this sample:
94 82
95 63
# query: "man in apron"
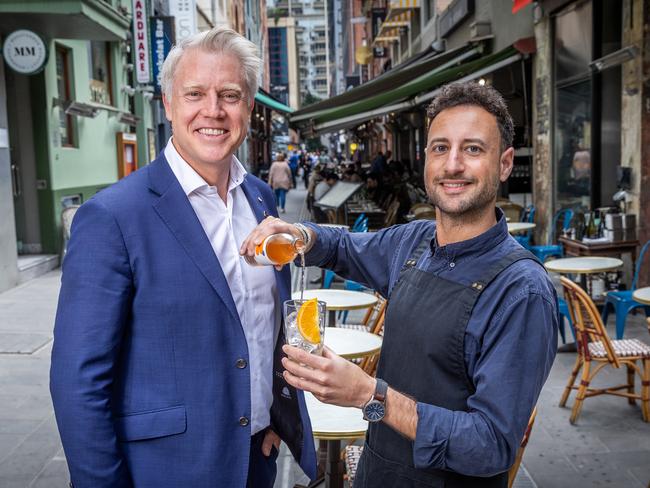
471 324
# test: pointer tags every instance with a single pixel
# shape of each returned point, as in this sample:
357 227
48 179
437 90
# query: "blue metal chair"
361 224
623 302
551 249
563 308
528 215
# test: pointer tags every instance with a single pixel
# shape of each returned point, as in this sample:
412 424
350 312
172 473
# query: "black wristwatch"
375 409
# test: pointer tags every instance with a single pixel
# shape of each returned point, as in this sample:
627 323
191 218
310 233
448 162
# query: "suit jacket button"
243 421
241 363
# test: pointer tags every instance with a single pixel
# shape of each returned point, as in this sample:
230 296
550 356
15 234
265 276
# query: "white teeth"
454 185
212 132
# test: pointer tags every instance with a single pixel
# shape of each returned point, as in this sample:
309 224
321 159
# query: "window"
63 82
101 89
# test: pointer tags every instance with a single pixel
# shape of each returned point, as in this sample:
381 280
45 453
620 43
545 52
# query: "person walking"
280 179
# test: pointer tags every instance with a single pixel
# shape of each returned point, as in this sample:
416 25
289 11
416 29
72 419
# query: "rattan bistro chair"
595 349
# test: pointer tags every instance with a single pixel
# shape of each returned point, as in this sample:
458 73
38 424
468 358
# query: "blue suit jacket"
144 380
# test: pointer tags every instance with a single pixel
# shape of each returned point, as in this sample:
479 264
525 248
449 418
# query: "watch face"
374 411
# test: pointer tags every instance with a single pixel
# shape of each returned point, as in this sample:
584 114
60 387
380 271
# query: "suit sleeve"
94 304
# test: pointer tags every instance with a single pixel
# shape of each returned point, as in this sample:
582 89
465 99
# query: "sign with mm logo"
162 40
25 52
141 42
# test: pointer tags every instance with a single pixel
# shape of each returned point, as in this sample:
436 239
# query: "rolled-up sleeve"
514 361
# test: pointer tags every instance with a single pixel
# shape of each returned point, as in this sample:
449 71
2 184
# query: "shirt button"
243 421
451 265
241 363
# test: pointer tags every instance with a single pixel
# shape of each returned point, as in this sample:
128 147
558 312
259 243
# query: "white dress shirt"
253 288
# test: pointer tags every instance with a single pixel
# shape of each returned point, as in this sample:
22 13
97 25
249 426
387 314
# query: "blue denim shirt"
510 340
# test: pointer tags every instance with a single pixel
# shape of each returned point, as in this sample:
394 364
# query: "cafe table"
336 300
584 267
352 344
332 424
642 295
515 227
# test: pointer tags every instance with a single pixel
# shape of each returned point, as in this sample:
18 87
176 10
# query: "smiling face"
464 163
209 110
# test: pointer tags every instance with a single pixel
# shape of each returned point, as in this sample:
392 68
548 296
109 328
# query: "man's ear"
506 162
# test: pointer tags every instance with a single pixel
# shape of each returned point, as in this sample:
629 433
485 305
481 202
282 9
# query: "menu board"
338 194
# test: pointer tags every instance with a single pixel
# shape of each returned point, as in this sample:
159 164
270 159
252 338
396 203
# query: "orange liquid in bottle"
280 252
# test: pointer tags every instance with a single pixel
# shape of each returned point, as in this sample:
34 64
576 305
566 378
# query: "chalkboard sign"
338 194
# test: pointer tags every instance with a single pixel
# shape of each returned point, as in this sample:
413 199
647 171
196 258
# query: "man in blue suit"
166 362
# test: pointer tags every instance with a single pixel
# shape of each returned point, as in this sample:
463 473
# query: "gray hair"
217 40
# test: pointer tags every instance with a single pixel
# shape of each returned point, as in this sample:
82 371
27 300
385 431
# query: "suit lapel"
177 213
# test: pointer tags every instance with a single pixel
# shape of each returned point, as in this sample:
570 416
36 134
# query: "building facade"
73 126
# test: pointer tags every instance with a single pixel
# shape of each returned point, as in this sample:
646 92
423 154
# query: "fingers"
271 439
268 226
300 356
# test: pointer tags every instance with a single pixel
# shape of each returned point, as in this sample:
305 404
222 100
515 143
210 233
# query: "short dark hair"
484 96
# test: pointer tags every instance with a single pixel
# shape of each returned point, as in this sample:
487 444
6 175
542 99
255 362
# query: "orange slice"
307 321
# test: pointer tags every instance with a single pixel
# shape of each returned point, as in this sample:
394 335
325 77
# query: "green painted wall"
91 165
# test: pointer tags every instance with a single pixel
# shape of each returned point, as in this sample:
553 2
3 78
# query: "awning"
410 95
403 73
272 103
65 19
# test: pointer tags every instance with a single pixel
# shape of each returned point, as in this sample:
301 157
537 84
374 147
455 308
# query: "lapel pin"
260 199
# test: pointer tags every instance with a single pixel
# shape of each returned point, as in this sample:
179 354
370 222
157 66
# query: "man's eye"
193 94
473 149
438 148
231 97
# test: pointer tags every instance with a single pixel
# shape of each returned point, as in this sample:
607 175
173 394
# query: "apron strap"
422 247
502 264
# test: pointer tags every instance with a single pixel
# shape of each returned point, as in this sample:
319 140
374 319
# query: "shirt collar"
190 180
476 245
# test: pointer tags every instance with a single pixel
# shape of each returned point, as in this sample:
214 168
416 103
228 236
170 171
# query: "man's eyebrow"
475 141
437 139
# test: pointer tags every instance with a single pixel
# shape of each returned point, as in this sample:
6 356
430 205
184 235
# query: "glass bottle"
276 249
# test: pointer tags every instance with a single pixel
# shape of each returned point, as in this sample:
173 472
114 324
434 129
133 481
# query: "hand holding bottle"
275 242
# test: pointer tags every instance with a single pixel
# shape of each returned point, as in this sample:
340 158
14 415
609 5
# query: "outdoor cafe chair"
511 210
353 454
551 249
528 215
622 300
596 350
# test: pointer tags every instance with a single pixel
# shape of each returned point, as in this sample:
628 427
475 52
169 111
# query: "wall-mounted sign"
162 40
141 42
185 13
25 52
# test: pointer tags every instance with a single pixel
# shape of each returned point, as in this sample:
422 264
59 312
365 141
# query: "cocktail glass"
292 332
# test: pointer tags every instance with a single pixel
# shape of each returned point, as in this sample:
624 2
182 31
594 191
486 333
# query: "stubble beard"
466 209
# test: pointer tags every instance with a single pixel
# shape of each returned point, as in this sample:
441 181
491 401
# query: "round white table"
352 344
332 424
642 295
583 265
339 300
514 227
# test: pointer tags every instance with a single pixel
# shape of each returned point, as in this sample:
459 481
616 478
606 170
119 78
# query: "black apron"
423 356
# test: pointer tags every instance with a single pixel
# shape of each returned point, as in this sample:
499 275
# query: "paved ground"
610 446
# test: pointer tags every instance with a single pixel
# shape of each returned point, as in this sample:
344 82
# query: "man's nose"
214 106
454 163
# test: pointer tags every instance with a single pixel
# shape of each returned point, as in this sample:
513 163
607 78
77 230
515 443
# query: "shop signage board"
141 42
25 52
185 13
162 40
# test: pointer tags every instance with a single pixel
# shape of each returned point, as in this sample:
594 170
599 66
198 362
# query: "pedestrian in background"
294 162
280 179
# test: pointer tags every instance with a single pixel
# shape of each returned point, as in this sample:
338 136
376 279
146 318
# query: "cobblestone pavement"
610 446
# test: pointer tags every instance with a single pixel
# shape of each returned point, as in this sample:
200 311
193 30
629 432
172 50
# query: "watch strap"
380 390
